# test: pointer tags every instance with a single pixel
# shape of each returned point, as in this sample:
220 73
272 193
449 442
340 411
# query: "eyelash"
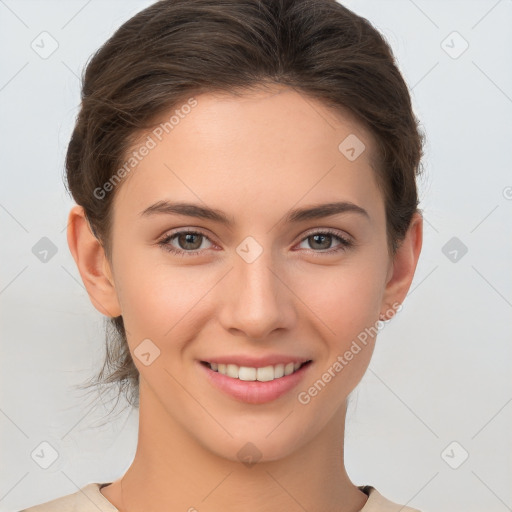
164 243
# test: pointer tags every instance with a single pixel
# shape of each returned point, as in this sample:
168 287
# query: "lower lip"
254 392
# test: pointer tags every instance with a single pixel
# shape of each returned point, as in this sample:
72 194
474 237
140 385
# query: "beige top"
90 499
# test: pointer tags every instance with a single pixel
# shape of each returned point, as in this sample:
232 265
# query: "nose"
255 298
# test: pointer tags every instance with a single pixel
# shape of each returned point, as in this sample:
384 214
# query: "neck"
172 471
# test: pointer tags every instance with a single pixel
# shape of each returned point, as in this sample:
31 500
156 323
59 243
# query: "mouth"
252 374
255 385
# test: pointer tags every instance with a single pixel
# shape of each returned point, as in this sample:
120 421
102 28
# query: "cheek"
159 300
343 303
161 304
346 299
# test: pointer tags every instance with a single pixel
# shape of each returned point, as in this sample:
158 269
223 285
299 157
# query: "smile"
263 374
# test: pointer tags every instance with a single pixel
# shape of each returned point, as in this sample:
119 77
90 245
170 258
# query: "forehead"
258 147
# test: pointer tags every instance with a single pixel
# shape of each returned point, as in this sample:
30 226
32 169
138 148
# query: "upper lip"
256 362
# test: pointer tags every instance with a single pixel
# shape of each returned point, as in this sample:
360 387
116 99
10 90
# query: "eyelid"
345 243
330 231
188 230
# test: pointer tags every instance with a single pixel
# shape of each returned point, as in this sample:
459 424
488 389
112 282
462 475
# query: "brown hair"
176 49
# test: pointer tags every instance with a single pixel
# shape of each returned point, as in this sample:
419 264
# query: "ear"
92 263
403 266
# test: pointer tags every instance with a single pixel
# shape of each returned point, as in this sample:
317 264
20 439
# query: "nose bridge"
257 302
255 280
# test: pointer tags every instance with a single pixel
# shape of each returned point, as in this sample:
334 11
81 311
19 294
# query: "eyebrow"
293 216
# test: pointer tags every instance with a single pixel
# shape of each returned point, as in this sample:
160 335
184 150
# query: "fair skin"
255 158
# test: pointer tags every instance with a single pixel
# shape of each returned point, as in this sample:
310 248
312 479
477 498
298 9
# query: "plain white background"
438 389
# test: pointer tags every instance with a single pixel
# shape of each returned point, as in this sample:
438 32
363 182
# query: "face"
266 286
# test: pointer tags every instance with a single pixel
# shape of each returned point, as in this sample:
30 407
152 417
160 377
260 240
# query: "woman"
247 216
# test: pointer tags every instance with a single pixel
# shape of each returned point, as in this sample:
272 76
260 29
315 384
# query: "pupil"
325 237
189 240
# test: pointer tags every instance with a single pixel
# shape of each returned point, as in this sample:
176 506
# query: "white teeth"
278 371
245 373
265 374
288 369
232 371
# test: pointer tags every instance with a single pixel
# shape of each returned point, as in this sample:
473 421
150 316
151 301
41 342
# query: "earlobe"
92 263
404 264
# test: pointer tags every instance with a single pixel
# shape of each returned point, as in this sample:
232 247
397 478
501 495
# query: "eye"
189 242
322 240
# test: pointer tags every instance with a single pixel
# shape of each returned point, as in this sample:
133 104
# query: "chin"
257 443
252 450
